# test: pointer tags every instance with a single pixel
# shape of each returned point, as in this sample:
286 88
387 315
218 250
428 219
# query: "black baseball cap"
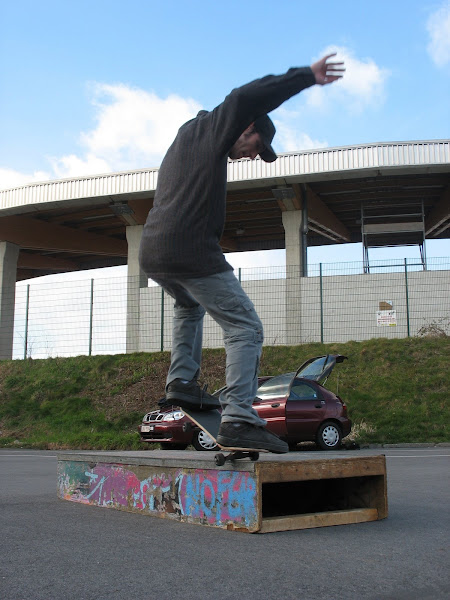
266 130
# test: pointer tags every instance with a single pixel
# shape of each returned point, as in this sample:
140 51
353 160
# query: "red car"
296 407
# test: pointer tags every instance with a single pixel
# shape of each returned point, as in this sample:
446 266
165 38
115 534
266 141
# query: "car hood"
319 368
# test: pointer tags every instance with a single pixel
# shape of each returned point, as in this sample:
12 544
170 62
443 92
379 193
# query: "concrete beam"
136 279
288 198
292 223
9 254
45 263
439 218
323 217
141 208
228 243
295 268
36 234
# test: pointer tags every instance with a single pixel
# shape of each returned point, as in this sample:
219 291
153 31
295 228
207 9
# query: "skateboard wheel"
187 427
254 456
219 459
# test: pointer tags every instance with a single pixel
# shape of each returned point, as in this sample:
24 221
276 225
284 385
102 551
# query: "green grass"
396 391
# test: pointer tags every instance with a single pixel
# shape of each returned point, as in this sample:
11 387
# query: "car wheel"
172 446
202 441
329 436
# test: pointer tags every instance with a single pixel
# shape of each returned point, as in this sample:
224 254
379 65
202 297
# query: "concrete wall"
349 308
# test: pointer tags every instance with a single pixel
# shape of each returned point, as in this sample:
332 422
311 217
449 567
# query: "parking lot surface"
52 549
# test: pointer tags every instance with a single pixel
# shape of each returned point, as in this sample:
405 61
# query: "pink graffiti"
116 486
212 496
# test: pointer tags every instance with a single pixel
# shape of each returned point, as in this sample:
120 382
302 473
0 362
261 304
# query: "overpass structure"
382 194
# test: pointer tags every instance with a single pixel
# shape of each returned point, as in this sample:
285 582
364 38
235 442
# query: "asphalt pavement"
53 549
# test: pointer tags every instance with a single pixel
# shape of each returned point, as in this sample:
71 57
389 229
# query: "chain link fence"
337 302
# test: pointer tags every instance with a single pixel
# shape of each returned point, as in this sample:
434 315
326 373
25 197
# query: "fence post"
239 274
162 320
321 303
407 296
27 310
91 317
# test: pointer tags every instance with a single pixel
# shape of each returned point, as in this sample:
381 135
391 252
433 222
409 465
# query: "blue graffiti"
99 487
147 488
221 496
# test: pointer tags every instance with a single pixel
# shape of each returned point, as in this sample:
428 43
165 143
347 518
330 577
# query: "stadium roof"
382 194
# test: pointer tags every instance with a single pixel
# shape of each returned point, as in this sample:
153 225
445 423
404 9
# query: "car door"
270 402
305 410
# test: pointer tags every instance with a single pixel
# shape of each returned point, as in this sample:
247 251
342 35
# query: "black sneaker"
252 437
164 403
191 396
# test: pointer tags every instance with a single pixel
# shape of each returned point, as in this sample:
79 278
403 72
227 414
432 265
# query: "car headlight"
173 416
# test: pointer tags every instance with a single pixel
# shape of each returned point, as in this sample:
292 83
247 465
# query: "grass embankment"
396 391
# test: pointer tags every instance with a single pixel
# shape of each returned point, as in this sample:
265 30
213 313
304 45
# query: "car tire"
329 436
203 442
173 446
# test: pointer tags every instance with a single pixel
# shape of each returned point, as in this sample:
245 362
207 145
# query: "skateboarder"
180 248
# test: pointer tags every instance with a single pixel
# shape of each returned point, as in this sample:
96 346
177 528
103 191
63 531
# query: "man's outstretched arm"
248 102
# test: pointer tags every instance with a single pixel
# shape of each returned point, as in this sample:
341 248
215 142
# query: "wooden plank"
224 498
311 520
298 494
321 469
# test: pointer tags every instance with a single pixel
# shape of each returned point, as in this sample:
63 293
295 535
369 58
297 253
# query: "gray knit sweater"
183 229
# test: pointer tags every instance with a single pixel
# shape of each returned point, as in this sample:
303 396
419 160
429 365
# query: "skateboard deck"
209 422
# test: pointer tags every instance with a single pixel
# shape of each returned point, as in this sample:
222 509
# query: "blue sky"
95 86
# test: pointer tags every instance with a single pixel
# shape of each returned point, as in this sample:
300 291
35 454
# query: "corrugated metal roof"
310 162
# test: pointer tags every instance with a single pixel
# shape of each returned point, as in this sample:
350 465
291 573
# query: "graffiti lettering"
203 495
218 496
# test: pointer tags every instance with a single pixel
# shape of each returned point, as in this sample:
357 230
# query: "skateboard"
209 422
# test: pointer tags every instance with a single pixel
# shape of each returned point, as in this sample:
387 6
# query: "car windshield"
275 387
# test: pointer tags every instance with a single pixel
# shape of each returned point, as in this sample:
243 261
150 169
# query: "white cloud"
9 178
74 166
362 86
438 27
289 137
134 129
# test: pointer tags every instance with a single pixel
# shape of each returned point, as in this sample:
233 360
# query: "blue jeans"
223 298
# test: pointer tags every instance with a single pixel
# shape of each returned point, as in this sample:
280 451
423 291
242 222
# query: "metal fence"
337 302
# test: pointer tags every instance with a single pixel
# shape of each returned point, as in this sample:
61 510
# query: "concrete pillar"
136 279
9 253
295 268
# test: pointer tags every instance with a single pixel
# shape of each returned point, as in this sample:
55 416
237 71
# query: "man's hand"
327 72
